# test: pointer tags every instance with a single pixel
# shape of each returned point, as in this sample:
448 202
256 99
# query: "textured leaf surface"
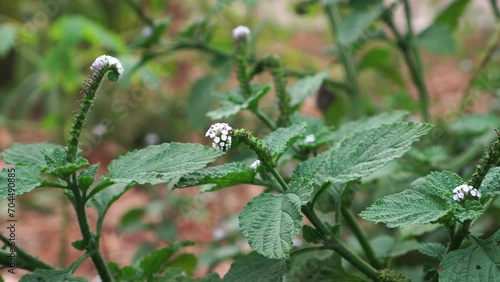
491 183
27 178
480 262
222 176
305 87
469 210
302 187
86 177
270 222
55 158
405 208
161 163
256 268
442 184
236 103
282 138
27 154
433 250
363 153
310 167
352 27
53 275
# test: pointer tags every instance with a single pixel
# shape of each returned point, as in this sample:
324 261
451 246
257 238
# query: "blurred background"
176 55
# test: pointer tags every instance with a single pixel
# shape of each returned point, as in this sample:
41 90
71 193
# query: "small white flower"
221 133
255 164
460 192
310 138
151 138
106 61
241 33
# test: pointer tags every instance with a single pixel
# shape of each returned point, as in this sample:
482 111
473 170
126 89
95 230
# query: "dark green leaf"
51 275
256 268
433 250
186 262
222 176
310 167
311 235
438 39
479 262
235 102
26 179
451 15
104 199
79 245
160 163
156 260
86 177
352 28
305 87
282 138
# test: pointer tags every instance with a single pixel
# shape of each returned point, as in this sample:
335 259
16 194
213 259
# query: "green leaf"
305 87
86 177
350 128
26 179
351 28
161 163
282 138
491 183
222 176
405 208
362 154
235 102
451 15
79 244
8 35
442 184
270 222
381 60
433 250
186 262
310 167
56 159
156 260
311 235
102 200
438 39
302 187
475 124
256 268
27 154
480 262
469 210
52 275
200 100
156 32
316 127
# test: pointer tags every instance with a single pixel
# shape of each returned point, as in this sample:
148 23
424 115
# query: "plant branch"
23 259
306 250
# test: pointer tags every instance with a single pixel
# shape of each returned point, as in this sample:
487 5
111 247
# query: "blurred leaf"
365 152
305 87
186 262
256 268
235 102
53 275
478 262
491 183
402 248
316 127
102 200
160 163
451 15
380 59
200 100
475 124
438 39
352 27
281 139
433 250
131 221
8 36
27 154
151 35
222 176
156 260
26 179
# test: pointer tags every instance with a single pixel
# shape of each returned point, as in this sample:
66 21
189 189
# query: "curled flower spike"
241 33
105 63
255 164
221 134
463 190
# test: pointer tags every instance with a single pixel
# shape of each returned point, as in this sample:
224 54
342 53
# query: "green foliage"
8 35
491 183
281 139
234 102
160 163
102 200
438 39
254 267
478 262
352 27
26 178
54 275
27 154
58 165
305 87
433 250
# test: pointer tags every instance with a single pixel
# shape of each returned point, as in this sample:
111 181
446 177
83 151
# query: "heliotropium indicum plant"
311 173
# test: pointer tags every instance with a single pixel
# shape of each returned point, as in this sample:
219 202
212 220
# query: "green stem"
459 236
496 11
140 13
323 188
361 236
349 68
23 259
305 251
490 158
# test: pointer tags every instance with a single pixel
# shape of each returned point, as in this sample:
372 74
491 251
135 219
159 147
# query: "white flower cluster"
241 32
463 190
105 61
221 133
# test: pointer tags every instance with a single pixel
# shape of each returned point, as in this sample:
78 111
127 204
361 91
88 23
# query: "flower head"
460 192
241 33
106 63
221 134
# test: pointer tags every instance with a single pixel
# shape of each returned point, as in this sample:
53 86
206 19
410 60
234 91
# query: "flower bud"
241 33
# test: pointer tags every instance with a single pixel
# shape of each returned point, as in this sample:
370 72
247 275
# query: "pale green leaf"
256 268
235 102
352 28
282 138
405 208
26 179
475 124
438 39
302 187
102 200
491 183
350 128
27 154
305 87
161 163
479 262
316 127
310 167
222 176
433 250
52 275
442 184
8 36
270 222
365 152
